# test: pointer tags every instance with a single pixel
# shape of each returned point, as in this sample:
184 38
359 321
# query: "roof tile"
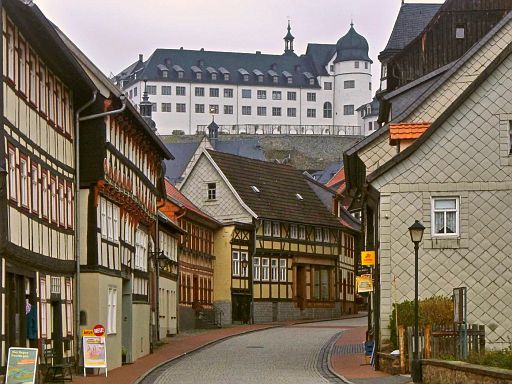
406 131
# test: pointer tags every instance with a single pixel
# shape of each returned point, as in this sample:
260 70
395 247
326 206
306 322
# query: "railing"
285 129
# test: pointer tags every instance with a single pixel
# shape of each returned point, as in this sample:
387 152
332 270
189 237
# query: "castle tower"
352 77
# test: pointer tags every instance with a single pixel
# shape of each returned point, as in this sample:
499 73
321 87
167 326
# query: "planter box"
458 372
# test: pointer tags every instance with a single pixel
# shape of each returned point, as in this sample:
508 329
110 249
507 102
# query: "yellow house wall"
222 269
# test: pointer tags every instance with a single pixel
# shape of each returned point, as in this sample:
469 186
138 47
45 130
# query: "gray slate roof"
235 63
320 55
326 174
411 20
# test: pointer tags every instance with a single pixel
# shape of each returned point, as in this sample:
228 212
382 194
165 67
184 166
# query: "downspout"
78 119
77 220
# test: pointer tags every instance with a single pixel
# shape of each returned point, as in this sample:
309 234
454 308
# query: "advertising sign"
99 330
87 332
95 352
364 283
368 258
21 366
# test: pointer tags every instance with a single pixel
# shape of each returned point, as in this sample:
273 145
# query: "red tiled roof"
406 131
173 193
338 177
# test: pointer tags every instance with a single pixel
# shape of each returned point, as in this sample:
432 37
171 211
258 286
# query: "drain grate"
255 346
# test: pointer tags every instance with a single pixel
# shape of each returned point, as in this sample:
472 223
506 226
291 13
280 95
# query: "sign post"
21 366
95 348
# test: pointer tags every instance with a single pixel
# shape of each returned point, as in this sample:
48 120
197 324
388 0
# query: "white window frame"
35 190
457 216
70 206
111 310
318 234
44 195
283 269
274 269
62 205
103 217
244 271
265 269
24 181
211 191
276 229
267 228
12 174
43 299
293 231
235 263
256 272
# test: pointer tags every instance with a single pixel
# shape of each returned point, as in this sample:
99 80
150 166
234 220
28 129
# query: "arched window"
327 110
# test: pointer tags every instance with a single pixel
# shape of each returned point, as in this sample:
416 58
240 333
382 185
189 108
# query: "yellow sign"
368 258
87 332
364 283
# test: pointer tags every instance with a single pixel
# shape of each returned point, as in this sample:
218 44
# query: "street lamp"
416 232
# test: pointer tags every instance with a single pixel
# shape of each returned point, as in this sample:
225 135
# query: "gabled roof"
176 196
410 22
320 55
505 52
283 191
406 131
337 182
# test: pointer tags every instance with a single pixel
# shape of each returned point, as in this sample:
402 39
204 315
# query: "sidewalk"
348 361
177 346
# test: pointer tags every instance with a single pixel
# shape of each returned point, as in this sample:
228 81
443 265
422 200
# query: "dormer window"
214 76
246 77
199 76
180 75
275 79
290 80
260 78
226 77
165 74
311 81
459 32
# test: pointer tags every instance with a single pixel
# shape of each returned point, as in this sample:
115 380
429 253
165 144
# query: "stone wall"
225 307
454 372
187 318
267 311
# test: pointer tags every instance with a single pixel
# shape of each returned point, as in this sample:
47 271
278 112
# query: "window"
35 189
62 205
356 64
459 32
180 91
199 76
135 91
302 232
445 212
365 65
326 235
348 109
246 110
214 108
226 77
228 92
276 111
199 108
214 76
246 77
262 111
264 269
321 284
311 112
44 195
260 78
111 310
370 126
256 269
276 229
235 263
153 107
69 306
318 234
22 66
331 68
214 92
292 96
42 89
53 199
267 228
32 79
291 112
327 110
212 191
141 247
151 89
166 89
276 95
274 272
282 270
180 75
43 297
51 99
328 86
347 84
311 96
311 81
199 91
246 93
293 231
165 74
24 182
370 85
262 94
228 109
69 201
244 265
181 107
289 80
10 52
166 107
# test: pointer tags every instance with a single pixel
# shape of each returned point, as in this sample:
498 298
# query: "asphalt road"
294 355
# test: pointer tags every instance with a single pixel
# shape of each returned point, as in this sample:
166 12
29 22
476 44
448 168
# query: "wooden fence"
440 342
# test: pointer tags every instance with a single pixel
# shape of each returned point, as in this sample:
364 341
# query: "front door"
57 330
241 307
301 286
15 309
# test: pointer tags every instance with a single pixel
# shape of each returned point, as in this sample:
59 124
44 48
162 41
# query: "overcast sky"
113 32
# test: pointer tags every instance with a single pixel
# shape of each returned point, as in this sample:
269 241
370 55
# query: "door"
241 307
126 329
56 308
301 286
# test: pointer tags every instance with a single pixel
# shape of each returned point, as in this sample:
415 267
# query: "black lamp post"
416 231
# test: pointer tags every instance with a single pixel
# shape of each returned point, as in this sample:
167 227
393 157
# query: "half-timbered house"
277 252
121 179
196 260
42 86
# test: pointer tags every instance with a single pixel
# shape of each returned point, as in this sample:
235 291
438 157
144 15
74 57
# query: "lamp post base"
416 371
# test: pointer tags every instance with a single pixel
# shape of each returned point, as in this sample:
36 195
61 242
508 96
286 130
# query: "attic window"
311 81
165 74
246 77
298 196
226 76
275 79
214 76
459 32
255 189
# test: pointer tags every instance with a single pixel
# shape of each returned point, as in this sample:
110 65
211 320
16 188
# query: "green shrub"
435 310
498 359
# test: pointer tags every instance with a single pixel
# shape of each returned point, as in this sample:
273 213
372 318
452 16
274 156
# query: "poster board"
368 258
21 366
364 283
95 352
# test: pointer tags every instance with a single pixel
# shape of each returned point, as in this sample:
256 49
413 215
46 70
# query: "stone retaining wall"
458 372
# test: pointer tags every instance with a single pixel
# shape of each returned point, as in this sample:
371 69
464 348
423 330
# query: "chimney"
141 57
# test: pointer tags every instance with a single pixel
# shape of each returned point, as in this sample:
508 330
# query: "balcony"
285 129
